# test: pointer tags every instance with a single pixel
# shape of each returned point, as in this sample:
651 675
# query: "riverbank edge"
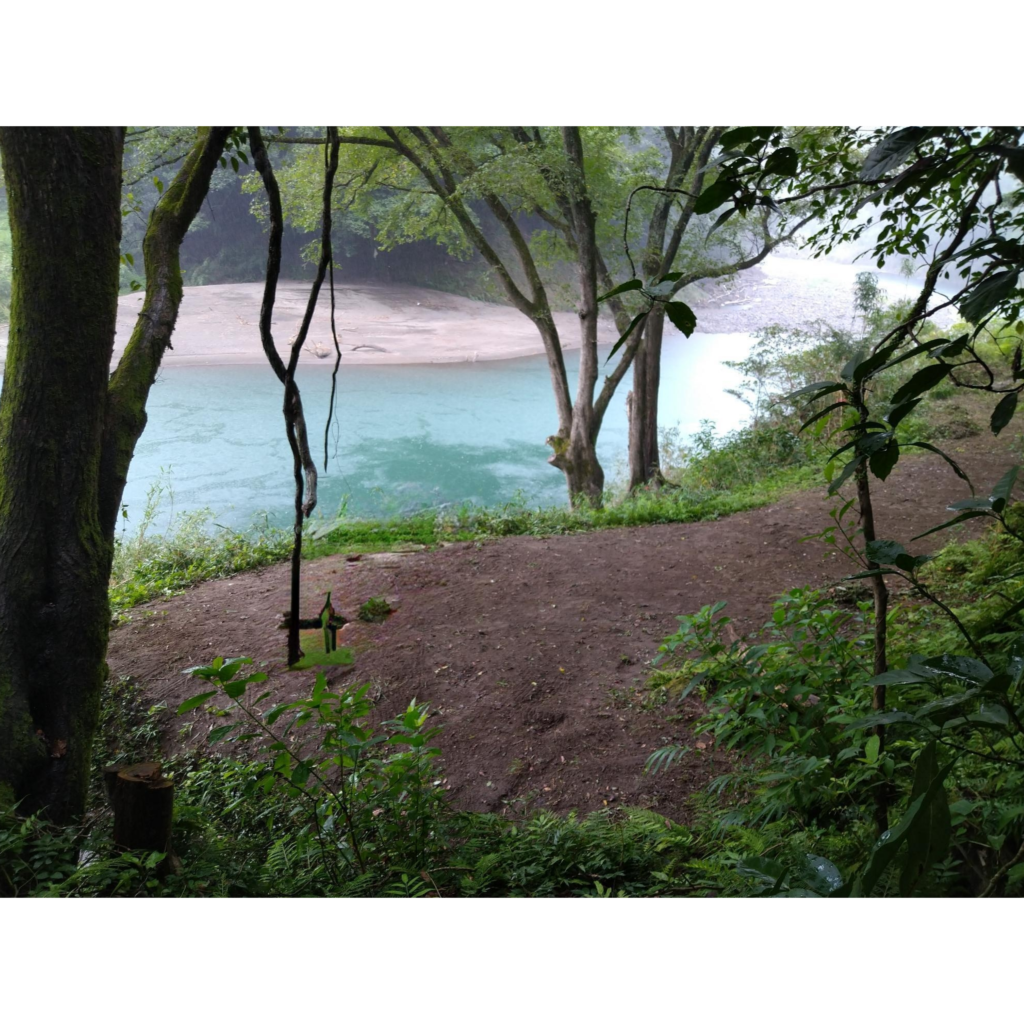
170 565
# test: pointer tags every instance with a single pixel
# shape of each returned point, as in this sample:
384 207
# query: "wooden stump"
110 780
143 802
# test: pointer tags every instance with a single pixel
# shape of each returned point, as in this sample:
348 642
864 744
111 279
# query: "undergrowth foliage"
149 565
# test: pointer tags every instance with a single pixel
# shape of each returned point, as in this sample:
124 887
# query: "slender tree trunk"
578 457
642 406
64 203
67 433
880 593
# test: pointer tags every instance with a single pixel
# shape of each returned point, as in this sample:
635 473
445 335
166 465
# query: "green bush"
794 704
786 699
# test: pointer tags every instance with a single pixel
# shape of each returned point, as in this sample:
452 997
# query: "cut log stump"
143 802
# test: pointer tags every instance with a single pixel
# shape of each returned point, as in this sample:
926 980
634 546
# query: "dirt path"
527 648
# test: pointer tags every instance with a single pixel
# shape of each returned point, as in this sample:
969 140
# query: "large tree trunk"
642 405
67 433
64 202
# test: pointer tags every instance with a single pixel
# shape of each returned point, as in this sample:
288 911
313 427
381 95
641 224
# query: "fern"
663 758
408 888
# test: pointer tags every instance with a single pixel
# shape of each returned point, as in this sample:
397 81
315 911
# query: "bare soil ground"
529 649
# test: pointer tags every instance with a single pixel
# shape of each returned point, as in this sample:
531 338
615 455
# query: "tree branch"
130 383
701 157
294 415
155 167
770 243
1001 873
611 382
349 140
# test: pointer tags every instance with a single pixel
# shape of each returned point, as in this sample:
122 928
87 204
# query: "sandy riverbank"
379 324
400 324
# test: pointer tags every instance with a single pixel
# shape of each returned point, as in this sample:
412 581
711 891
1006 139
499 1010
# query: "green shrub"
787 698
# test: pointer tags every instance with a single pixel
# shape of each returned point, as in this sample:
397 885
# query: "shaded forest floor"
533 652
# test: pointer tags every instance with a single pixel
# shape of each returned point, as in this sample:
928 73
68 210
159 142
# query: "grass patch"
147 565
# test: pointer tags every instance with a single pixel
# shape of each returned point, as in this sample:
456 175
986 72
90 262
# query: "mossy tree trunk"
67 433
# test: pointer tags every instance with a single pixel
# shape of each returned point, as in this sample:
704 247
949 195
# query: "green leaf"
628 331
991 714
763 869
868 366
890 842
871 749
986 296
850 369
892 151
928 840
220 733
952 522
884 460
865 445
819 390
341 656
885 552
943 704
236 687
936 346
661 291
194 702
1003 412
821 413
959 666
738 137
848 471
879 718
683 318
897 412
953 348
722 218
784 161
952 464
925 379
627 286
971 503
1004 488
896 676
719 192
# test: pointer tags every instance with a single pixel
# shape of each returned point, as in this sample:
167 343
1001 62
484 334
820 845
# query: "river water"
404 437
412 436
